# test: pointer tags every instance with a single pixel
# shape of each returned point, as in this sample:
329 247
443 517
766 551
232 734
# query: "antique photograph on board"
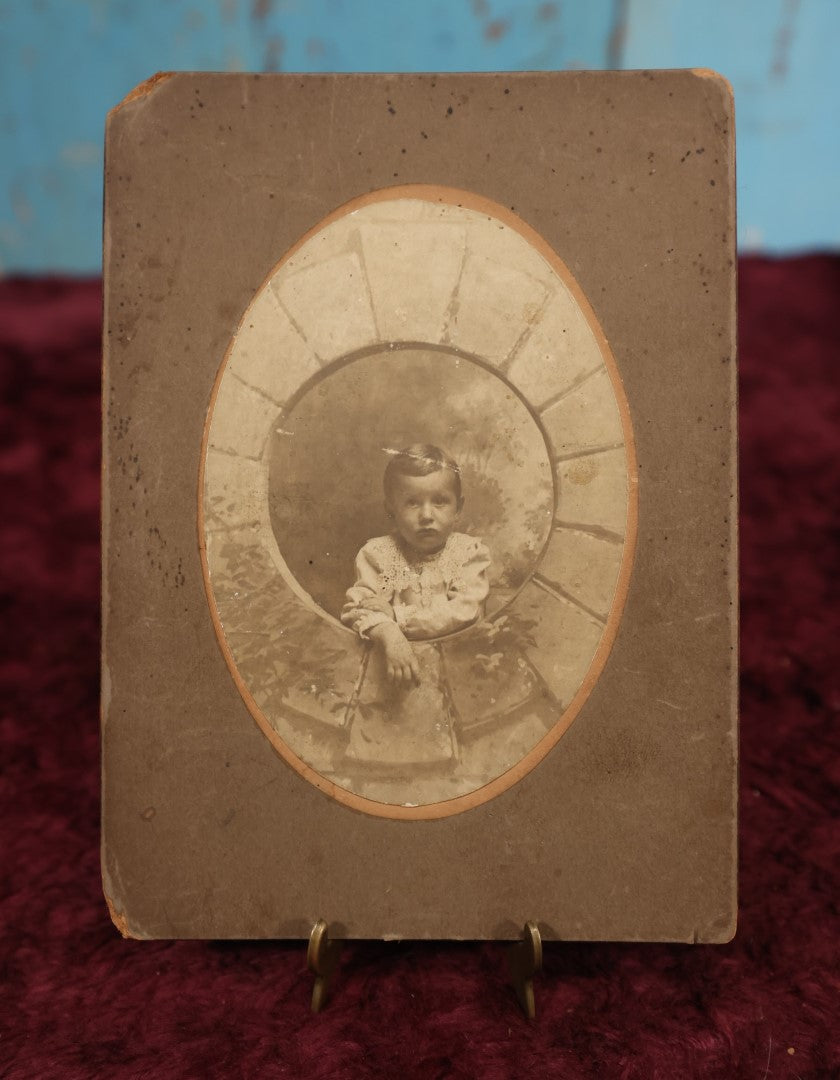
419 521
417 502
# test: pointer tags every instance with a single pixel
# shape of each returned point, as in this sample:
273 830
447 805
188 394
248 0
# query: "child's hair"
419 459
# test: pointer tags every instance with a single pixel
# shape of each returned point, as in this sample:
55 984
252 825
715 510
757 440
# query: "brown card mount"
419 510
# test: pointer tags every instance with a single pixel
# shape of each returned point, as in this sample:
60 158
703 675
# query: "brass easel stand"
322 958
524 961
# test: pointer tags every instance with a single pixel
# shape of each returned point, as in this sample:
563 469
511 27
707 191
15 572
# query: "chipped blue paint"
781 58
64 63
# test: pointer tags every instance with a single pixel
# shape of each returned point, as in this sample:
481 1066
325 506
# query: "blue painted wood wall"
64 63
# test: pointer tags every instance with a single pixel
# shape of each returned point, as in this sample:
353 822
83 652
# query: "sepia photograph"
419 605
417 502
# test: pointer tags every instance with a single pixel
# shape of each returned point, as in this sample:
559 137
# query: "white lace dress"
426 596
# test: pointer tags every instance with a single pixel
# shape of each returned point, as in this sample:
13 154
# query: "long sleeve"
366 605
461 604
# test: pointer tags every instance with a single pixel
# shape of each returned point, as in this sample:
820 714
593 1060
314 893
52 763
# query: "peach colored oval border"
433 811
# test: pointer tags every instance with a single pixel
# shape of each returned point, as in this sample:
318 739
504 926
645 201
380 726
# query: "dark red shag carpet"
78 1001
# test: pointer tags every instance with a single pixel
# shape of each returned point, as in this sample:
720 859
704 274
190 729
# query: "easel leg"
524 960
322 959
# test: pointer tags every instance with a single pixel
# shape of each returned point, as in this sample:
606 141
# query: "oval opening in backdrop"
432 331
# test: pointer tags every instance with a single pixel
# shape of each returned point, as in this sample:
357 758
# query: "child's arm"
366 606
370 614
462 605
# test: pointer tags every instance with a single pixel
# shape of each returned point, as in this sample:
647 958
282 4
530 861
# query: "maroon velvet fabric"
78 1001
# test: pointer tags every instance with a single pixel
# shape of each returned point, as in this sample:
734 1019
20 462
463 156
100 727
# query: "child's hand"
400 662
376 603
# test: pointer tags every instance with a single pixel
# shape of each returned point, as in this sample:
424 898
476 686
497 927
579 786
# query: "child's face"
425 509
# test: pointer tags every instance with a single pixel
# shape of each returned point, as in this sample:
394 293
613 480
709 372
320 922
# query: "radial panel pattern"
415 268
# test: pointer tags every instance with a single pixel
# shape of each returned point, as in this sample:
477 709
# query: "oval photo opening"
418 503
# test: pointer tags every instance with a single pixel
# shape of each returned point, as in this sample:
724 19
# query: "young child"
423 580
